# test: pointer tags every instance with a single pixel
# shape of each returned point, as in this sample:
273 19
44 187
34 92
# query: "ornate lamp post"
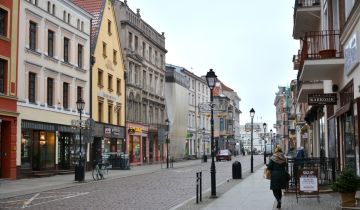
211 80
264 126
80 168
252 114
167 142
203 138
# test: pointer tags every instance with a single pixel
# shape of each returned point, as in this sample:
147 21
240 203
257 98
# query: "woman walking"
278 174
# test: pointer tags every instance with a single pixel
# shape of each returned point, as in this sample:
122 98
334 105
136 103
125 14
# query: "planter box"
331 53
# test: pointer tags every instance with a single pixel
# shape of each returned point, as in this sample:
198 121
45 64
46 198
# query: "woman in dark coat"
278 174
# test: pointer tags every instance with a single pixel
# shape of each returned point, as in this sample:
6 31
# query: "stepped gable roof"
96 8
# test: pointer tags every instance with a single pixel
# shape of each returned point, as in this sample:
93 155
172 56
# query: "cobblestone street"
161 189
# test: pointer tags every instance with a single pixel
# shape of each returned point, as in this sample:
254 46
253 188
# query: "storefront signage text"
322 99
108 96
308 181
134 130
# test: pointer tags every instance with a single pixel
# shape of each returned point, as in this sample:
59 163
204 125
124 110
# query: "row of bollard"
198 186
236 174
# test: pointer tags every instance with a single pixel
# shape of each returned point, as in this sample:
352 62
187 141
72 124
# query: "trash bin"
79 173
236 170
205 158
126 162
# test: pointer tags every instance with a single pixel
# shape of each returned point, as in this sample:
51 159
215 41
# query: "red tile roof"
96 8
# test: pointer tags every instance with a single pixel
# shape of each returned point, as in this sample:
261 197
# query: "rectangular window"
114 56
156 58
118 121
48 6
143 50
144 80
100 77
68 20
53 9
3 64
136 43
104 49
109 27
118 86
32 34
50 43
110 82
66 95
50 91
161 61
130 40
80 56
3 22
100 111
64 16
110 107
32 83
79 93
150 54
66 50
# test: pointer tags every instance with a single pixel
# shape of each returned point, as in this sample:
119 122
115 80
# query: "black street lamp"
252 113
211 80
271 140
167 142
203 138
80 168
264 126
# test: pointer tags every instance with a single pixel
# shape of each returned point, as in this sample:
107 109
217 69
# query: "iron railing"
321 45
307 3
325 167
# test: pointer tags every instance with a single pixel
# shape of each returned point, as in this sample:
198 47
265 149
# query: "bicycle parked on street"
100 171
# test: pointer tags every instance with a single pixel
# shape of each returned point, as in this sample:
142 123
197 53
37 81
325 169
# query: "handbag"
267 174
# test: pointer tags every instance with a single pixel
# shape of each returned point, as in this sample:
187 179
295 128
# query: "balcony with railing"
309 87
321 56
306 17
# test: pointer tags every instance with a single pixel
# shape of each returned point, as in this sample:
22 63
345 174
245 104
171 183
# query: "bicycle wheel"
95 173
103 171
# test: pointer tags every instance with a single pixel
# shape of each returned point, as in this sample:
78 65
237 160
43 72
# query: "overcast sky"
249 45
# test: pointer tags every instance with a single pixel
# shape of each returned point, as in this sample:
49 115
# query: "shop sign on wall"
322 99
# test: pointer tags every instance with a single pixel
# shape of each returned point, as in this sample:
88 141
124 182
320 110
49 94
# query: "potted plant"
346 184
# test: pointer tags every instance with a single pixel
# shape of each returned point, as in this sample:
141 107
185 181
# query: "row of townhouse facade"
100 51
320 108
189 134
58 52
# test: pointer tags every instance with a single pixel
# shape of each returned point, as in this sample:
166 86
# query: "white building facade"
54 71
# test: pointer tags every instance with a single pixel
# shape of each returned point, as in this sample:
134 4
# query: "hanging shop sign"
322 99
